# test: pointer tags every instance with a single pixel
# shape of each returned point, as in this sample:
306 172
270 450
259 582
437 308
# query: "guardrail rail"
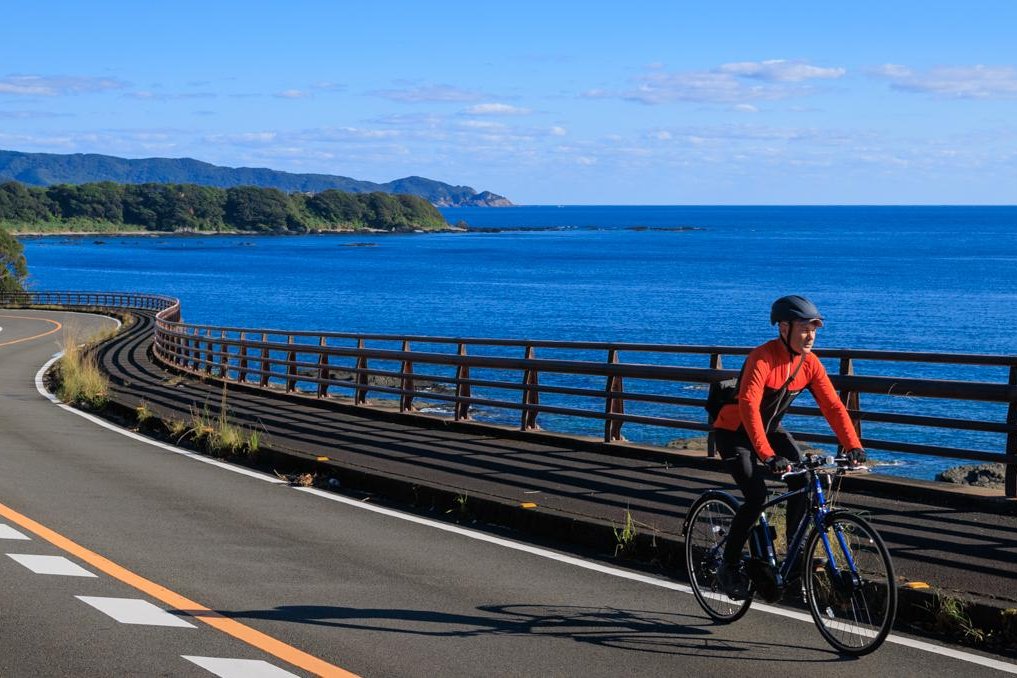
527 382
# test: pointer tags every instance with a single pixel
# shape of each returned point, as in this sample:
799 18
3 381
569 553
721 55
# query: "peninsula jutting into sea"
47 169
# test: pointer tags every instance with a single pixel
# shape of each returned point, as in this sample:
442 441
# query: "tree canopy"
190 207
13 268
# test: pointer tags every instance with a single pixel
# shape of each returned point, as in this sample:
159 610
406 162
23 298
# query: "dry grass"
219 435
80 380
143 412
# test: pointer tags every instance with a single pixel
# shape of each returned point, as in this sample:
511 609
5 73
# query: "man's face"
801 335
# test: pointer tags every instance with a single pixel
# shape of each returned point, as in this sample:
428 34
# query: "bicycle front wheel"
849 584
707 527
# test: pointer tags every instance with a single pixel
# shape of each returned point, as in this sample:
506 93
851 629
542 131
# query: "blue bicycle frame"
817 510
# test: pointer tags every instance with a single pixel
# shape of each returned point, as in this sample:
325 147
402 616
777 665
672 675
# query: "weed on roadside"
950 617
625 537
79 379
143 413
460 507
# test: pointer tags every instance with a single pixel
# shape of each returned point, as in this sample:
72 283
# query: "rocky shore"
976 475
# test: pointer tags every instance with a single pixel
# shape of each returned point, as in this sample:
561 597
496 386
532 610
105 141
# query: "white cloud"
37 85
293 94
146 95
953 82
780 70
482 124
558 131
496 109
31 115
243 138
428 93
745 108
328 86
734 83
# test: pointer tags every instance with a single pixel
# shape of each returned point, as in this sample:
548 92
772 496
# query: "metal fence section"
608 387
167 307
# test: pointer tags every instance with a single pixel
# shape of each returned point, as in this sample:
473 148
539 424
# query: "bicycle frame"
815 515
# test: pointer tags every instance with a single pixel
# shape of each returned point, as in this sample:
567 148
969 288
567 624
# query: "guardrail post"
242 371
224 357
406 382
531 395
209 357
180 341
323 371
362 380
716 363
194 354
850 398
1010 475
463 392
291 369
614 402
265 358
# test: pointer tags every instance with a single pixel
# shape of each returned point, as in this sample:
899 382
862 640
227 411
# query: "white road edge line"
480 536
41 388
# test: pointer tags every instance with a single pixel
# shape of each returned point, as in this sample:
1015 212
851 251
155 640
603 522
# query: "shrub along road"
302 578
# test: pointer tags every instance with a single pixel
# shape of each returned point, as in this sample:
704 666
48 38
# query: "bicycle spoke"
708 526
850 587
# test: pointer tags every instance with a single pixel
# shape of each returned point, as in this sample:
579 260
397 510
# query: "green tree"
257 209
102 201
337 208
13 267
22 204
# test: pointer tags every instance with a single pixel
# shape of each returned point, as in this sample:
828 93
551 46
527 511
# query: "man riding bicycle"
748 433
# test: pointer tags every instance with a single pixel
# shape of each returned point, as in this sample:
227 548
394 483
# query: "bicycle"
846 574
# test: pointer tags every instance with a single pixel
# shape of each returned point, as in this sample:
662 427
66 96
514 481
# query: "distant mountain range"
46 169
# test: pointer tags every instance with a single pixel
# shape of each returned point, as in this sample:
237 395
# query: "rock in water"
981 475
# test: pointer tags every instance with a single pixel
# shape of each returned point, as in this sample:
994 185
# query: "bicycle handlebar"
812 462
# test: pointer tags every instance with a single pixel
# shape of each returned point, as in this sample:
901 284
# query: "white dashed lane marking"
8 532
50 565
135 611
239 668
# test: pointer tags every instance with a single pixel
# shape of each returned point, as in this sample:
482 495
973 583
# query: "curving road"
237 574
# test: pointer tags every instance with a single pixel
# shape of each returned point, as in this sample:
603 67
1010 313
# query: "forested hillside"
111 207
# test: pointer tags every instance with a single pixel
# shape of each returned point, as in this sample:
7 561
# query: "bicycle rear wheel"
854 608
707 527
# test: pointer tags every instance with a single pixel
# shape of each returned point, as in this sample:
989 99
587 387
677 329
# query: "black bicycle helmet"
794 307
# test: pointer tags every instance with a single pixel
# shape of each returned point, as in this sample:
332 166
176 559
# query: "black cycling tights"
750 474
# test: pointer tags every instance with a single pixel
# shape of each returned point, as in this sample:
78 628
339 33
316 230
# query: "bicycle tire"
853 614
707 525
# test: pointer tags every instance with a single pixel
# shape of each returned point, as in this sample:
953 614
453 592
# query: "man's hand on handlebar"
777 466
853 457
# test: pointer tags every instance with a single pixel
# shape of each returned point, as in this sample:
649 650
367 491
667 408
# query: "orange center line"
252 637
34 336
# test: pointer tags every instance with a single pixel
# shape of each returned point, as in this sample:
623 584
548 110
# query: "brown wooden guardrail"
653 386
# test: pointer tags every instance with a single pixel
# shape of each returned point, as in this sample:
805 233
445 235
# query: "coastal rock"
980 475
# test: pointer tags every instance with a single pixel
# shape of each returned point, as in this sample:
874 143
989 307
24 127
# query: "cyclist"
748 433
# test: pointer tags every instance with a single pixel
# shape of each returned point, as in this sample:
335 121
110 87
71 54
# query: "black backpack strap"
782 392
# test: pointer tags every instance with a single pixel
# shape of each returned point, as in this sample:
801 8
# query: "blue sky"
545 103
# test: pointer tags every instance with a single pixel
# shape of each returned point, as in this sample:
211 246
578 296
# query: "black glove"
854 456
778 466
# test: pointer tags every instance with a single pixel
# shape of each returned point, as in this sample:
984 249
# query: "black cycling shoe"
733 581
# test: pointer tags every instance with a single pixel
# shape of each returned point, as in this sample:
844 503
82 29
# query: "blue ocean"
940 279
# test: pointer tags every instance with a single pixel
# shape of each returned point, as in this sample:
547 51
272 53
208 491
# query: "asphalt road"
298 577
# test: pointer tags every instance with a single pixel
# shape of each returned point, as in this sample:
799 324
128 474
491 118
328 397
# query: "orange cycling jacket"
766 370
